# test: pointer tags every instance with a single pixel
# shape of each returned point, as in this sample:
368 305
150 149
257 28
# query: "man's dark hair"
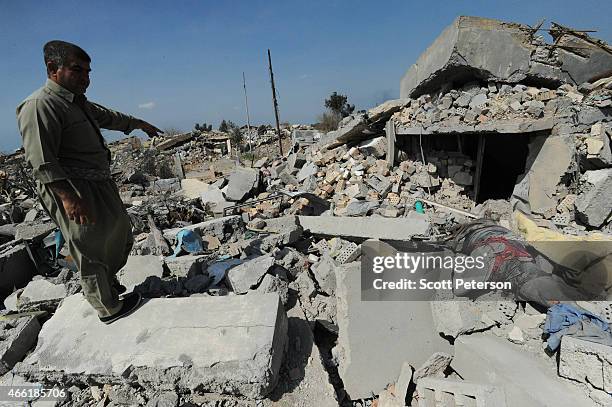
57 51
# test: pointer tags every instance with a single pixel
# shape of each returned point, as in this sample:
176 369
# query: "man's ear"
51 68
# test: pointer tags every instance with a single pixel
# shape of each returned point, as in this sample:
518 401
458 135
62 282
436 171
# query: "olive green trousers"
99 250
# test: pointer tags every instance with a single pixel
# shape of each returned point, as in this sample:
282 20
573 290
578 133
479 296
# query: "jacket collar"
59 90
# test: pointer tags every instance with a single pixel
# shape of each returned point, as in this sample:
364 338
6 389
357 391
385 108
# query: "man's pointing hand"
148 128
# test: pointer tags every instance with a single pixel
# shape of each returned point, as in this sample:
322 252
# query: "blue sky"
181 62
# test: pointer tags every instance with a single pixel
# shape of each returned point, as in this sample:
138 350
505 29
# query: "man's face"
73 75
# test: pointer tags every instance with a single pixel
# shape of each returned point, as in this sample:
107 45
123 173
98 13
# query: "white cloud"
304 76
148 105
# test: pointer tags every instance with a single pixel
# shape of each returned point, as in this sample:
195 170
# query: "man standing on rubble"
71 165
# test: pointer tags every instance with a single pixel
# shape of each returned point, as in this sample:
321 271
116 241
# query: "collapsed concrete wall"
487 49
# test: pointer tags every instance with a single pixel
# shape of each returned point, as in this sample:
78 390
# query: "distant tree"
203 127
262 129
339 104
223 126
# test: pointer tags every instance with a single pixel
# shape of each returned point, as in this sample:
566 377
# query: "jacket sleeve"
113 120
41 131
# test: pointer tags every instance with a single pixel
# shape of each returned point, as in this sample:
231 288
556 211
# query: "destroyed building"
253 273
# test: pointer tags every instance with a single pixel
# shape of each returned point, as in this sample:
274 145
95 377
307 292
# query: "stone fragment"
140 268
434 366
33 231
17 337
359 208
249 274
308 170
185 266
516 335
192 188
244 337
376 147
16 268
403 381
242 182
381 184
39 292
386 109
324 273
594 205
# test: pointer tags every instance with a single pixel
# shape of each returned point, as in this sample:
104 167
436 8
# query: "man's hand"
148 128
75 207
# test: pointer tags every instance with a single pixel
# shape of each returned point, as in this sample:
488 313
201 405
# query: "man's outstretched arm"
113 120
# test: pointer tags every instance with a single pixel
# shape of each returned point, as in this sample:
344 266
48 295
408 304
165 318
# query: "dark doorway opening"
503 160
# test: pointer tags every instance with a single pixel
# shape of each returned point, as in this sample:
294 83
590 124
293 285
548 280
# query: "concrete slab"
235 346
586 362
376 337
41 293
138 269
367 227
17 338
242 182
16 268
526 380
304 381
249 274
486 49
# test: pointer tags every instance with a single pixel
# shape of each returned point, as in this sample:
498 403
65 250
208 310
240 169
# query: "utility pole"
246 103
280 143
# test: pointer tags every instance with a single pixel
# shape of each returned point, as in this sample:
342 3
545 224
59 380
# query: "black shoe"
118 287
131 302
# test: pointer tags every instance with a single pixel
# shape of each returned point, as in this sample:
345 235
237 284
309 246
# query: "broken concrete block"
236 346
296 160
586 362
376 147
453 318
359 208
493 50
249 274
308 383
41 294
594 206
307 171
351 130
381 184
185 266
367 227
403 382
288 227
385 110
451 393
527 381
192 188
33 231
222 228
17 338
274 284
324 273
138 269
376 337
434 366
242 182
16 268
550 159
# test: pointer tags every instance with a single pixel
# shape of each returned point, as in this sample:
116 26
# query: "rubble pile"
252 273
